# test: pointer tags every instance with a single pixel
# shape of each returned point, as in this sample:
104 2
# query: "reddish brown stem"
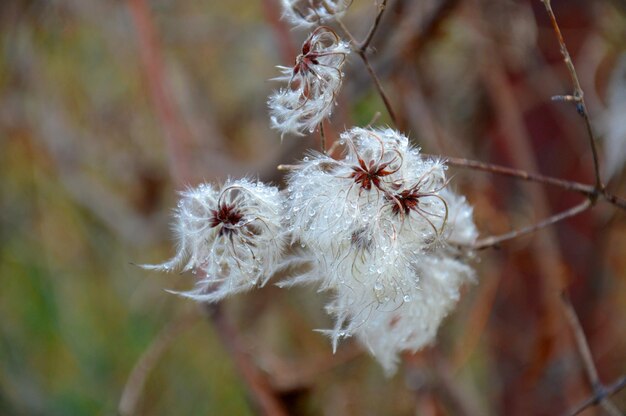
585 354
260 391
132 393
379 87
361 50
496 240
520 174
176 133
370 35
178 139
598 396
588 190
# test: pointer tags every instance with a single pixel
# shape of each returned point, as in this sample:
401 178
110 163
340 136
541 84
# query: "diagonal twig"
495 240
361 49
596 398
133 390
585 354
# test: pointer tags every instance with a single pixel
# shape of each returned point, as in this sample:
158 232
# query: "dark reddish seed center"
405 201
227 216
368 175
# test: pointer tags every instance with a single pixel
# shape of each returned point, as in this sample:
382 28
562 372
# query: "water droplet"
407 298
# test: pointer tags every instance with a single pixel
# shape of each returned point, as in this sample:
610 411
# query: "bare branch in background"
133 390
177 134
178 140
554 219
599 390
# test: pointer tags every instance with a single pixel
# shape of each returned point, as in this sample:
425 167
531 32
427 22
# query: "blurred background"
108 108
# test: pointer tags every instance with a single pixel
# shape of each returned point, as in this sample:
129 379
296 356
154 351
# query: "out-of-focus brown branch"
430 27
176 133
598 396
578 96
263 396
379 88
271 11
588 190
519 174
582 345
361 49
131 395
178 139
495 240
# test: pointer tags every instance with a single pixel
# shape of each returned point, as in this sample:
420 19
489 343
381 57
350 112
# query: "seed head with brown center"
227 216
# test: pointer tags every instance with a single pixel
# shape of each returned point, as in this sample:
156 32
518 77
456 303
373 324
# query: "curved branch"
495 240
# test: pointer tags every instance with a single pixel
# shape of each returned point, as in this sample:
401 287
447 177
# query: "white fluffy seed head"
312 84
232 237
306 13
410 320
377 223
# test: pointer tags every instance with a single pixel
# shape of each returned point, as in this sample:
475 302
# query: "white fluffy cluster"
232 237
312 84
376 224
374 227
306 13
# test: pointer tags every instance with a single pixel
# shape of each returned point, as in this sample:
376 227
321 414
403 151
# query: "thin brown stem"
596 398
585 354
178 139
177 135
361 50
379 87
322 137
263 397
133 390
370 35
585 189
496 240
520 174
578 96
347 32
615 200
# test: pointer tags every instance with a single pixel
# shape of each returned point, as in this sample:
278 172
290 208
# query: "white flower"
410 322
376 224
460 228
312 84
334 206
231 236
427 287
382 187
311 12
